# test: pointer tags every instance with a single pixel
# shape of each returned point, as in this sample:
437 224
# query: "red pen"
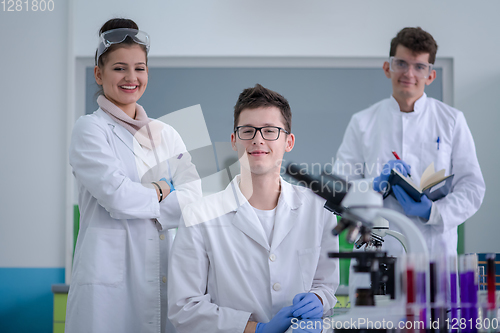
397 157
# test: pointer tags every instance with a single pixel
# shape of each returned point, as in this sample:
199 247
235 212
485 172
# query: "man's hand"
410 206
307 306
380 183
279 324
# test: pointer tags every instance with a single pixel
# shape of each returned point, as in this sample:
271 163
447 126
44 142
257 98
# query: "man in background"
421 130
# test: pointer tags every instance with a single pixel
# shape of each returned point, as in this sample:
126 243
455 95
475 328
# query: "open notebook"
433 184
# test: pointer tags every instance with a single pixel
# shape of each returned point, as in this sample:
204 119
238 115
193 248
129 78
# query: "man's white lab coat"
374 133
223 272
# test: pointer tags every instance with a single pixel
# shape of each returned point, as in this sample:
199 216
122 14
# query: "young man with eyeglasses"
253 258
421 130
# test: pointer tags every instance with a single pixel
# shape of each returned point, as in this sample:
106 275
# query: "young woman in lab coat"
130 193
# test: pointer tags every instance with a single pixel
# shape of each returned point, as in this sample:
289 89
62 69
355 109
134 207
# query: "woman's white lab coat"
119 269
223 272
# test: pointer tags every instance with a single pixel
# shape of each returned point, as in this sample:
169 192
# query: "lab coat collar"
288 195
418 107
393 105
247 221
245 218
286 213
420 104
125 136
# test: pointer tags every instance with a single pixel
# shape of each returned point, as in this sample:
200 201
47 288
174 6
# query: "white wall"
34 80
33 137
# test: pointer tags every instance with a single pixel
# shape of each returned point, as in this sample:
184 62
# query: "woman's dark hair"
117 23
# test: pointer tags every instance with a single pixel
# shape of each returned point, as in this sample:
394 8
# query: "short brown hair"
258 96
417 40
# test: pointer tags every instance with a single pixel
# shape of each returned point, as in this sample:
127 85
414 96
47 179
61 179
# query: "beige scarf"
148 136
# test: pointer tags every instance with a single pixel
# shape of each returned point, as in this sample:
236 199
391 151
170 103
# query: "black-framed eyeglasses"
269 133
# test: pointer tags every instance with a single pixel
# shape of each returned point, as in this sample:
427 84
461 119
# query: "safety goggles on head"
117 36
421 70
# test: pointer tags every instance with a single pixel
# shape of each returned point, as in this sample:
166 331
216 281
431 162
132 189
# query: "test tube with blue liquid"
454 319
469 283
464 294
474 276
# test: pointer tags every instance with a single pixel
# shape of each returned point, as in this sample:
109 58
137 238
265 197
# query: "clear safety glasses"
117 36
421 70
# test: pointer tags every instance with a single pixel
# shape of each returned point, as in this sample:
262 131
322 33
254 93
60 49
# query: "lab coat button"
277 287
164 279
162 237
272 257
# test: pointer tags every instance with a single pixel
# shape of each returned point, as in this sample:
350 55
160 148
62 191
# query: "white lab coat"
223 273
373 133
120 263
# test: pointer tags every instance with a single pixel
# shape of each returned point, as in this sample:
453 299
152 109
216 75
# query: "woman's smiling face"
124 76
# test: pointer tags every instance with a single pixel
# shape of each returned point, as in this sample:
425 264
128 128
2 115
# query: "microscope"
367 222
382 268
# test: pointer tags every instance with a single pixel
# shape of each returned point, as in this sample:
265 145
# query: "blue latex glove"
172 188
410 206
380 183
307 306
307 326
279 324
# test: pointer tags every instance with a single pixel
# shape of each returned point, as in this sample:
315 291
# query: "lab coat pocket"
441 157
103 257
308 261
